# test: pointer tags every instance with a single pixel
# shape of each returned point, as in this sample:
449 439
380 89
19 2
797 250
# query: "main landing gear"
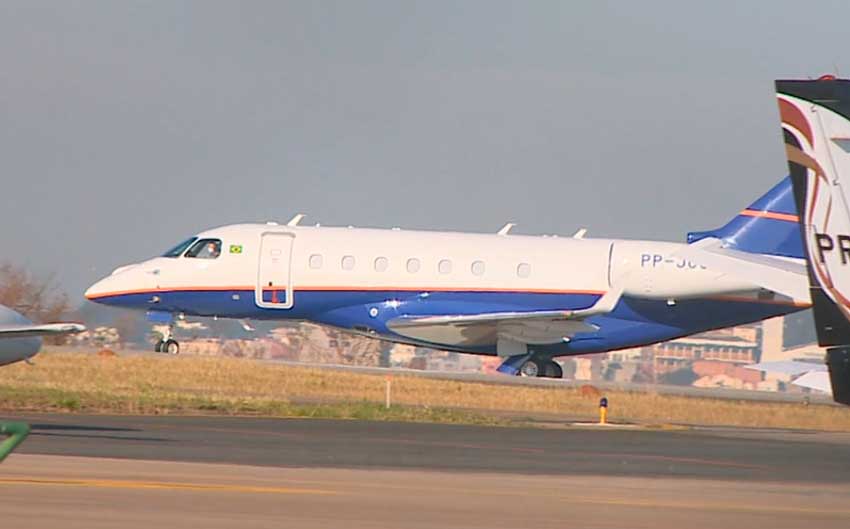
540 367
167 344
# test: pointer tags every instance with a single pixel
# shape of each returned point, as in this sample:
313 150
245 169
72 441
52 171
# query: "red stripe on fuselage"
347 289
738 299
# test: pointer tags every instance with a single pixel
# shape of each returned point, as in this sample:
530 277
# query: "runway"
105 471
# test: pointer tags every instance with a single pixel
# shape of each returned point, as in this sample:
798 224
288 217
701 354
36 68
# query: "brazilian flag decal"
235 248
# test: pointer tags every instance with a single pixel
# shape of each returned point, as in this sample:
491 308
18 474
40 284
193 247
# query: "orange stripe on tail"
770 215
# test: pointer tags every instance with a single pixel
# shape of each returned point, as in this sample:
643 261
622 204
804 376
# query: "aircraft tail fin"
815 118
767 226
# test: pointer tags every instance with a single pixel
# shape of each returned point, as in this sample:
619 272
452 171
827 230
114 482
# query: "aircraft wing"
785 277
534 327
818 380
788 367
47 329
812 376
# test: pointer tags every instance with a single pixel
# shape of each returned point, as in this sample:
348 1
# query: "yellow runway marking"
159 485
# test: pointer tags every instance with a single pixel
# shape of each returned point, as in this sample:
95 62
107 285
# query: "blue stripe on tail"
769 226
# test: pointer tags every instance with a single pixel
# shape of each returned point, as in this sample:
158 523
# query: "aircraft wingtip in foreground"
526 299
20 339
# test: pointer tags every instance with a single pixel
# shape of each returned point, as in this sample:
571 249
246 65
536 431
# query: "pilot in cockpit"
211 250
205 249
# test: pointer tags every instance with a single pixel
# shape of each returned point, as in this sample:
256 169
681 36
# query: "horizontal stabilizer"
784 276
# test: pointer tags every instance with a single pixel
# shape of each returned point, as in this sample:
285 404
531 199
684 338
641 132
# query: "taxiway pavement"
116 471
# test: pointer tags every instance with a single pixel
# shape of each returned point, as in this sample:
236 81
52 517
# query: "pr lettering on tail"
815 117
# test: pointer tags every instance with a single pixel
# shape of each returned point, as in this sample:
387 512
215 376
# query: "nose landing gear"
171 347
167 344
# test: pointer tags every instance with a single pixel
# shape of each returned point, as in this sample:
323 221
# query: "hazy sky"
127 126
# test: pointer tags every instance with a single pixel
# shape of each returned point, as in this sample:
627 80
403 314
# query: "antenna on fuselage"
506 228
295 220
580 233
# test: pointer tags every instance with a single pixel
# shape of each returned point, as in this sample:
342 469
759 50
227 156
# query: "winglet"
506 228
295 220
580 233
607 302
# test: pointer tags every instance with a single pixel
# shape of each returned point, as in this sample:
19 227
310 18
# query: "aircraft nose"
103 289
124 280
95 291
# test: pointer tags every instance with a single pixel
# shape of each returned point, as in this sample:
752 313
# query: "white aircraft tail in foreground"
815 118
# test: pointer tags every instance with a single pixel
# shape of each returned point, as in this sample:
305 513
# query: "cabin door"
274 275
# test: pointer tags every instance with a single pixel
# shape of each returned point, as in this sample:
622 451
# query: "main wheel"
553 370
530 368
157 347
171 347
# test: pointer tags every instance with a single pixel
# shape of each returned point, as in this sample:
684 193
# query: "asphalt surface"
702 454
93 493
222 472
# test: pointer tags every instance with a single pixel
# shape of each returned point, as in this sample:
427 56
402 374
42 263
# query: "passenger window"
478 268
413 265
444 266
316 261
523 270
381 264
348 262
205 249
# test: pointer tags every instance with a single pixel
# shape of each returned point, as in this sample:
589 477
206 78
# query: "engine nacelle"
652 270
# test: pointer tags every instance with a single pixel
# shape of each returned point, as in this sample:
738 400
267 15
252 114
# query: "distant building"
98 337
401 355
736 346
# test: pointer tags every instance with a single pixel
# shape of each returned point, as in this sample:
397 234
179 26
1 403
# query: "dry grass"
225 385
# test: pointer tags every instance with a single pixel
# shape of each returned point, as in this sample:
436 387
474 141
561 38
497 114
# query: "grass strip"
79 382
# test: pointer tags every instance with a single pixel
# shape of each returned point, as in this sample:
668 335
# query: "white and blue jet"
527 299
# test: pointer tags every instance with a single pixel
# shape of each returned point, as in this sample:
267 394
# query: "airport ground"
119 471
160 384
145 458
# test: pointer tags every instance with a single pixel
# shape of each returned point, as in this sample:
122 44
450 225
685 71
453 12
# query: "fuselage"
360 279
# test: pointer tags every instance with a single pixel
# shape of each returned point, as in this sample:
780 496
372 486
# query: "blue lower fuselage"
634 322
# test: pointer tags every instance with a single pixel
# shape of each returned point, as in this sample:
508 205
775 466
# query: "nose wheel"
167 344
171 347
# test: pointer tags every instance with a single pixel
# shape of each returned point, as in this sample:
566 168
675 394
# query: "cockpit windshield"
205 249
178 250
